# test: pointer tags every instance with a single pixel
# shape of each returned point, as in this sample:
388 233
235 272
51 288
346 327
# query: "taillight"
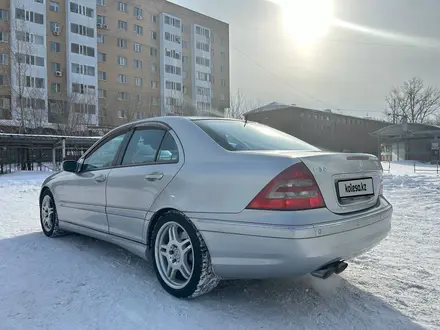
293 189
381 188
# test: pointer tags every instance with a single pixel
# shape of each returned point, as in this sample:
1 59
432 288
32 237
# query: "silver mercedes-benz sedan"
211 199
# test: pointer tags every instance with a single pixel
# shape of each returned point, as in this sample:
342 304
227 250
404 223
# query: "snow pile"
75 282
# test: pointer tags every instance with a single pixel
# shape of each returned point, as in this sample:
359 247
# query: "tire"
201 278
49 217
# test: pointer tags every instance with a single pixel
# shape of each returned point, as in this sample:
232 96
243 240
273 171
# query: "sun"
306 21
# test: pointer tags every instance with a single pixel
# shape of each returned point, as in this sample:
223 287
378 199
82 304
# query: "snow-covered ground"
75 282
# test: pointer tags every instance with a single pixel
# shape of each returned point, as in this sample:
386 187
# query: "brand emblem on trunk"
361 165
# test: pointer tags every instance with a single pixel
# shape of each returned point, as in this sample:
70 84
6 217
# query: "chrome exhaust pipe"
330 269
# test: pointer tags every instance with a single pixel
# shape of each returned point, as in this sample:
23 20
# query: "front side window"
143 147
103 156
238 135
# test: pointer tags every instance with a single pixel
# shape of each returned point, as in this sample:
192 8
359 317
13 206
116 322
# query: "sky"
328 54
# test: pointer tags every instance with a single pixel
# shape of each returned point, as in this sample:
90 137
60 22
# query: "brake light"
293 189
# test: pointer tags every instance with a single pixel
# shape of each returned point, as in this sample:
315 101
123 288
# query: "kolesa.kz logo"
355 187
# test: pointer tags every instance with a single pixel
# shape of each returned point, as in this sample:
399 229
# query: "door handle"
154 176
100 179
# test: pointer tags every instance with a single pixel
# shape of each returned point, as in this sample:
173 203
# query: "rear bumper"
248 250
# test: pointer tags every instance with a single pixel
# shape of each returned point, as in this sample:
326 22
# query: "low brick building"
323 129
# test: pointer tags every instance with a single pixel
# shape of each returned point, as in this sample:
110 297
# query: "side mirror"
70 166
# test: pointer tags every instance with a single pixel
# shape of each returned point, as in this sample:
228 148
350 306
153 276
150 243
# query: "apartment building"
107 62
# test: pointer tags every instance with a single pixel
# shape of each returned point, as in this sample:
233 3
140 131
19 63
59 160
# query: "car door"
151 160
81 197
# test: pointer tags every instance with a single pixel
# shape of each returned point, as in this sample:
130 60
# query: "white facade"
82 13
31 44
201 68
171 68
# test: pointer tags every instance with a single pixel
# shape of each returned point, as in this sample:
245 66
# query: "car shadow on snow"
74 263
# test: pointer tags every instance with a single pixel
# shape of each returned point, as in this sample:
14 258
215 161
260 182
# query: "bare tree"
414 102
27 90
239 105
72 113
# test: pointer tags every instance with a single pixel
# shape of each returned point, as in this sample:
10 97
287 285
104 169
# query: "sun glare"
306 21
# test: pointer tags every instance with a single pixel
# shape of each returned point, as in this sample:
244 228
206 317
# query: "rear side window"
143 146
236 135
168 150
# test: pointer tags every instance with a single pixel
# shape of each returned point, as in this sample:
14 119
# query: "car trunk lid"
348 182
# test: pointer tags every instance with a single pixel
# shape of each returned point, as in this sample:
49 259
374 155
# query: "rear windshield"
236 135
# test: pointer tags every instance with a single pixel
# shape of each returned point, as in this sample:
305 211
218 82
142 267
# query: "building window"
34 82
82 10
100 2
122 96
102 57
137 12
122 61
100 20
55 88
185 60
122 25
184 28
122 79
4 37
54 27
122 6
3 79
172 37
86 70
100 38
102 75
83 50
202 46
4 59
138 81
31 59
82 30
173 53
154 85
122 43
223 82
55 47
137 47
203 91
185 90
55 67
173 69
222 68
222 97
153 68
102 93
202 61
153 52
202 31
138 29
172 85
29 16
137 64
153 18
185 44
155 101
4 14
122 114
203 76
185 75
54 6
172 21
153 35
138 98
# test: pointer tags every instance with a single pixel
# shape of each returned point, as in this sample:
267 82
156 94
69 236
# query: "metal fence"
417 168
21 152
